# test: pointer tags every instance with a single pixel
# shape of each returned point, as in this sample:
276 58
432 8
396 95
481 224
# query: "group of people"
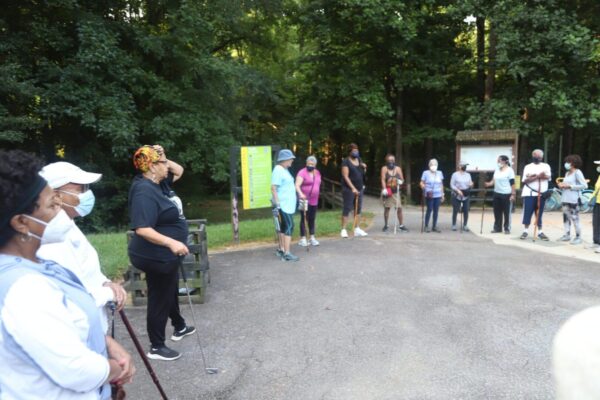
54 298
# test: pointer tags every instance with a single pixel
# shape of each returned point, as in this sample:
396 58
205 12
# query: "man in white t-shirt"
536 176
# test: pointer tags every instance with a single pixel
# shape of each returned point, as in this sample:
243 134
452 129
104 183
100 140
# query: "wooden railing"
331 192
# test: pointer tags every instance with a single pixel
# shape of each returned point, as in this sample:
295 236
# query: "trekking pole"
461 215
304 211
537 209
210 371
422 210
355 221
277 223
483 211
140 350
116 391
396 210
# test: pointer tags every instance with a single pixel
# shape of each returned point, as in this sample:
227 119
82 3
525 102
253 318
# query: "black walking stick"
356 221
208 370
483 211
422 210
140 350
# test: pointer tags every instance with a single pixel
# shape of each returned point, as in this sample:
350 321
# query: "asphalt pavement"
408 316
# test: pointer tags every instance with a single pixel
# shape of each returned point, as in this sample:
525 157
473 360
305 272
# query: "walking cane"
116 391
537 210
461 215
483 211
355 222
396 210
304 210
422 210
140 350
277 223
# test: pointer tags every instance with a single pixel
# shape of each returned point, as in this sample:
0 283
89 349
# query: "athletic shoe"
495 231
303 242
402 228
385 228
359 232
314 242
507 231
279 253
178 335
564 238
543 237
290 257
597 250
523 236
592 246
466 228
436 229
163 353
427 230
576 240
454 228
344 233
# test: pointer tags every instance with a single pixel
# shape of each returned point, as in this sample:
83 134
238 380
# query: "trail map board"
256 176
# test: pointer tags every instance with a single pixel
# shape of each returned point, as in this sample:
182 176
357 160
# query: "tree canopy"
91 81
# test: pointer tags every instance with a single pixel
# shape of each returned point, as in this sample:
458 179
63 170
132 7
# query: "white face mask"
433 168
56 230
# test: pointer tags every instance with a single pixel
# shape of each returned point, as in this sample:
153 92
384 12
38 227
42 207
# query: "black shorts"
286 223
349 197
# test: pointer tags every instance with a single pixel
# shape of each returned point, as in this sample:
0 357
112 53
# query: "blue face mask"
355 154
86 202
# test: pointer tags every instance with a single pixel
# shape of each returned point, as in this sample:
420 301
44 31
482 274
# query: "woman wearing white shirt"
52 345
504 194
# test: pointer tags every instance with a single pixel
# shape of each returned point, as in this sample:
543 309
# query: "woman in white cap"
284 198
308 185
461 184
432 185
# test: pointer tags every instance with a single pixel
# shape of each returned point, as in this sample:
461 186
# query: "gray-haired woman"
308 184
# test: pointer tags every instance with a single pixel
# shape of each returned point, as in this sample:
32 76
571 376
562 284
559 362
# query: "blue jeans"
433 204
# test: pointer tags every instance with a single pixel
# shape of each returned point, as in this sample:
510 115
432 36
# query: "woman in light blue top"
432 184
572 185
504 194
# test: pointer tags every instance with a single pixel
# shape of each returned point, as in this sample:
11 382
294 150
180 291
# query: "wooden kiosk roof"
500 135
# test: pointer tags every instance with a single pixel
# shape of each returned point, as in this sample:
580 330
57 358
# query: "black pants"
596 223
456 209
162 279
311 215
501 205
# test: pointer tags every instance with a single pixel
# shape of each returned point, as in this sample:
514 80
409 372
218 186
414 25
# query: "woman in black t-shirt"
353 183
159 241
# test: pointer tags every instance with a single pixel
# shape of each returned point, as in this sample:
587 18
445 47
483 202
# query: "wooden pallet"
195 266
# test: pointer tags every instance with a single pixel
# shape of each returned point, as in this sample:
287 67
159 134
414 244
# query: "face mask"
500 165
433 168
391 165
567 166
310 168
354 154
598 169
86 202
536 160
56 230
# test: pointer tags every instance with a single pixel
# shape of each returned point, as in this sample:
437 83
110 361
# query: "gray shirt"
577 182
460 181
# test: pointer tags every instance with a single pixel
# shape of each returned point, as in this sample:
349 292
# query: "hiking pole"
422 210
537 210
461 215
140 350
355 222
208 370
304 210
277 224
396 208
116 391
483 211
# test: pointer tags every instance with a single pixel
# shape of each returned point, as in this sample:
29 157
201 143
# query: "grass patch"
112 247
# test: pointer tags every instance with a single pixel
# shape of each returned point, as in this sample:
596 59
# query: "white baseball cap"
597 162
60 173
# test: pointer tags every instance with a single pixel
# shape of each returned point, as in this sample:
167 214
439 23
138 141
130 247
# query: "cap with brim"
597 162
285 155
60 173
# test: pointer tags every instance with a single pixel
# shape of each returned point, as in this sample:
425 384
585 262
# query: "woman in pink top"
308 183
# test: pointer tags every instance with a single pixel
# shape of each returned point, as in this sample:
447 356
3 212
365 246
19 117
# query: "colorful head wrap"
144 157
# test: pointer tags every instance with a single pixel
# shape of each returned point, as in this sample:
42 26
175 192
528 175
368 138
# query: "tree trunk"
399 121
480 23
491 70
568 143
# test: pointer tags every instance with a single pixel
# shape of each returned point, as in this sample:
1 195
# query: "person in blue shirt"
284 198
432 184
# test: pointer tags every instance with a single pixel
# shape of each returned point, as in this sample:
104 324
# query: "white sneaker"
303 242
359 232
314 242
344 233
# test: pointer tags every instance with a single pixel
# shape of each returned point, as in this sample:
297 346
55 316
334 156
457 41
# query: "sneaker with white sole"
359 232
178 335
344 233
314 242
163 353
303 242
290 257
576 240
564 238
592 246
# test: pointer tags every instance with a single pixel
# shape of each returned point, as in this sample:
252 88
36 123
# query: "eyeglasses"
161 161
